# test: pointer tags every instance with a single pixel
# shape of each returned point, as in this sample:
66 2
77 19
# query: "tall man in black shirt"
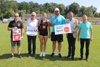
17 25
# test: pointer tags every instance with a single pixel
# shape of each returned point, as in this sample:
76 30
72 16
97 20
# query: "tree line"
8 8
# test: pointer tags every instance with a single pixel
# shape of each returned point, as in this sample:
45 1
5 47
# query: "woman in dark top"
44 33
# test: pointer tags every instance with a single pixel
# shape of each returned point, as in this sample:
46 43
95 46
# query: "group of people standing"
43 25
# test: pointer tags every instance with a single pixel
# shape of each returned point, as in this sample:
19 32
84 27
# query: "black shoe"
52 54
11 57
59 55
73 58
20 56
68 56
81 58
87 60
29 55
34 55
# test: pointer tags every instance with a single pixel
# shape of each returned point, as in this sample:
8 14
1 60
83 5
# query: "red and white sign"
16 35
62 29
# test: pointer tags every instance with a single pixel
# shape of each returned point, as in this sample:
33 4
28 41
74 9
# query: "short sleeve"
64 20
51 20
10 24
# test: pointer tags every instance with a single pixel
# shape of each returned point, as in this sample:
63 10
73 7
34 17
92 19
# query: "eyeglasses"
32 15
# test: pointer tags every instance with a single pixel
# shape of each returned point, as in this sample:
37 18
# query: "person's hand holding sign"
22 37
15 28
72 31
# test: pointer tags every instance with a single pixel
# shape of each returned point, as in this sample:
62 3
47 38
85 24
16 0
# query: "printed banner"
16 34
62 29
32 31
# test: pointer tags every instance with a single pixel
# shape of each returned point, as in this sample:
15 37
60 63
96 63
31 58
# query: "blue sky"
95 3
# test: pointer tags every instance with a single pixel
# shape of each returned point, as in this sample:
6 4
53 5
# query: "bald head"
16 16
57 11
70 15
84 18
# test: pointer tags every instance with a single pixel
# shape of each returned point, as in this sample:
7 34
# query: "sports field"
94 58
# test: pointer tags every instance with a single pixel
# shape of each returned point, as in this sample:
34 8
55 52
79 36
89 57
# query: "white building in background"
9 0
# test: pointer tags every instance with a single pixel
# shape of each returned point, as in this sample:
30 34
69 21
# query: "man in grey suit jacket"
71 37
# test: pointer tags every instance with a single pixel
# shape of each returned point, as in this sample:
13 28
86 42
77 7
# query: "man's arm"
52 24
79 34
91 34
76 28
22 32
10 27
52 21
39 21
49 27
22 27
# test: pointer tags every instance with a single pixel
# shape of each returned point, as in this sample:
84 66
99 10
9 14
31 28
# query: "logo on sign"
17 37
35 30
66 29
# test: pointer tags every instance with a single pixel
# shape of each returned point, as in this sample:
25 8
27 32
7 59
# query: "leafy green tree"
89 12
74 7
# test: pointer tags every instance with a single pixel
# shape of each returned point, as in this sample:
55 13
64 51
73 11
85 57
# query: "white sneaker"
41 54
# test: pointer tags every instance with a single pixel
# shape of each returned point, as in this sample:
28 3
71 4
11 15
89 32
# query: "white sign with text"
62 29
32 31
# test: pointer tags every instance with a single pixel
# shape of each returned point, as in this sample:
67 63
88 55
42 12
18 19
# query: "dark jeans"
31 40
82 41
71 45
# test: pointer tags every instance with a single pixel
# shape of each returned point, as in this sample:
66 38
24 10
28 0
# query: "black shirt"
43 28
17 24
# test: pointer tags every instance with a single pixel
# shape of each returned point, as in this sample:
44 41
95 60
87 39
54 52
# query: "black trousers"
82 41
71 45
31 40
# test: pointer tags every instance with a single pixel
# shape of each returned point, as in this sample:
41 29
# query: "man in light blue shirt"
85 27
85 35
56 20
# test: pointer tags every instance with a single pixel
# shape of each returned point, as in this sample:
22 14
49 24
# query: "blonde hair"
44 13
33 13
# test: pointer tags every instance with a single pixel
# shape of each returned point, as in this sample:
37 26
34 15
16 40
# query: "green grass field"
94 58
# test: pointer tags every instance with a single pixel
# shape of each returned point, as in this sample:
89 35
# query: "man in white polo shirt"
31 30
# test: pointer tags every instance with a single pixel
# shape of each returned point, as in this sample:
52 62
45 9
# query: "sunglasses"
16 16
56 11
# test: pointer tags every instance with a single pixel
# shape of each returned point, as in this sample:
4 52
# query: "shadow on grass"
7 56
55 58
